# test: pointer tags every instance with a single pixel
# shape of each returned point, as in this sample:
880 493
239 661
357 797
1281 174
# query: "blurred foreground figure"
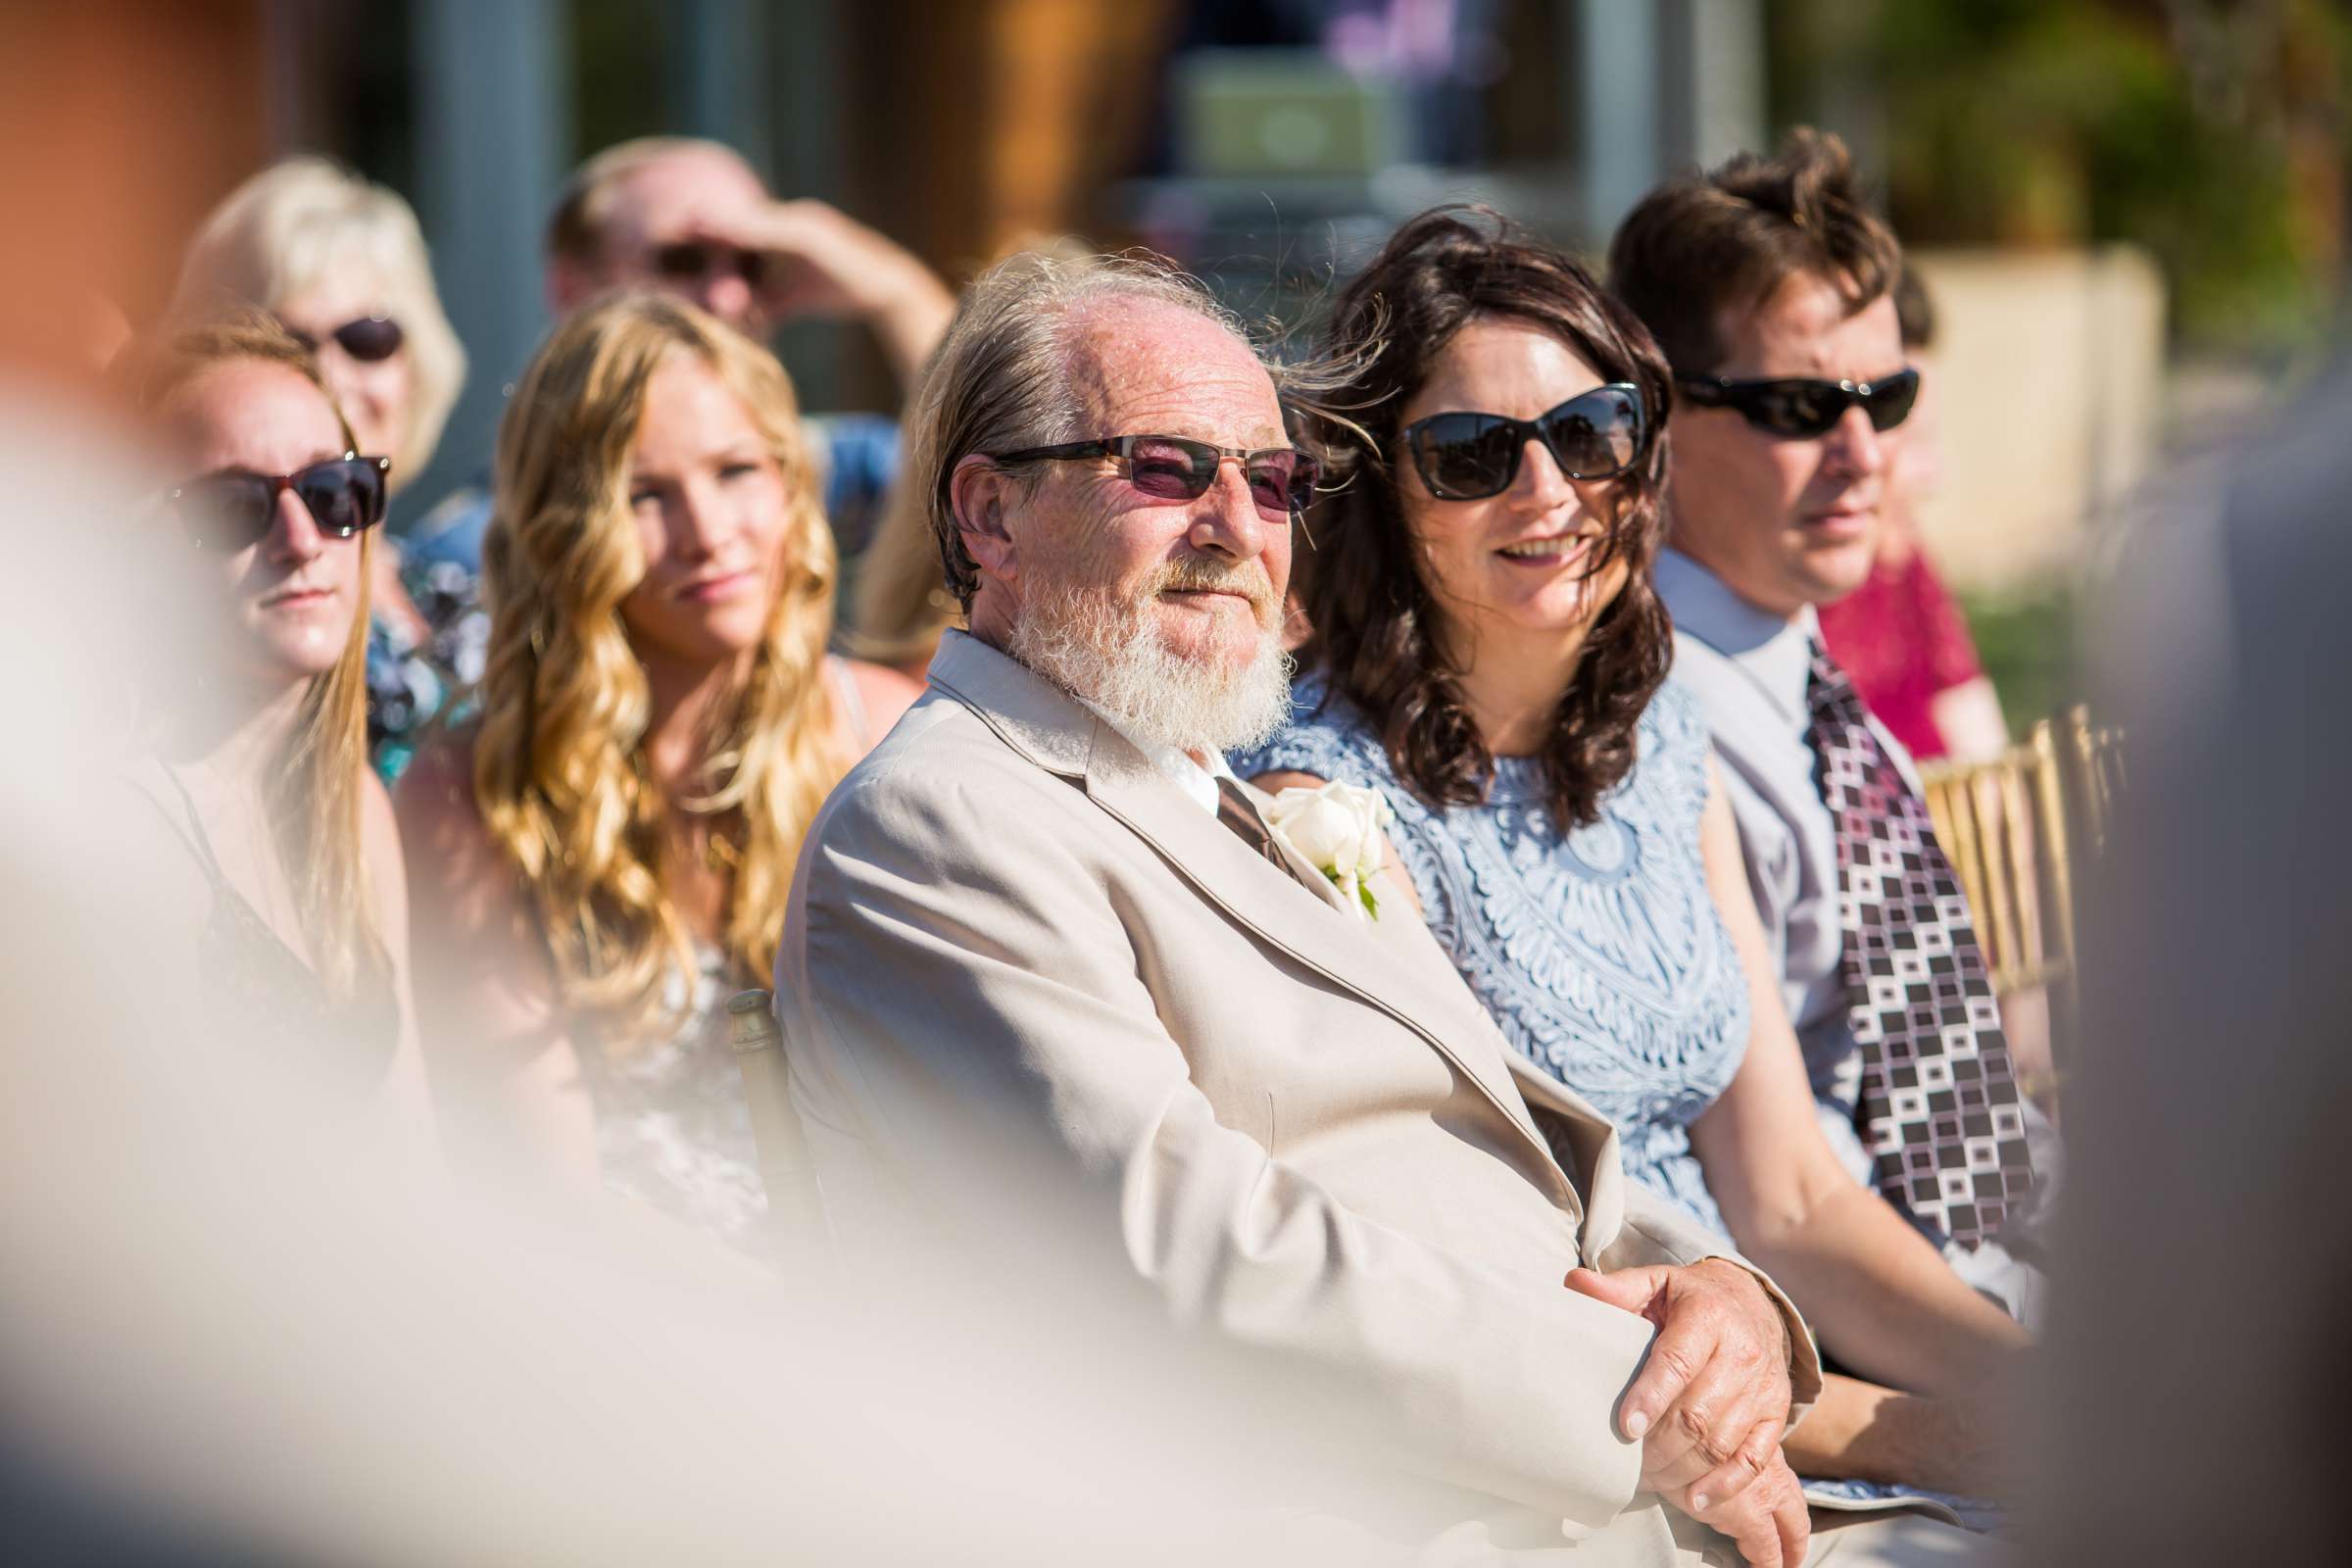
602 859
1068 1024
2198 1339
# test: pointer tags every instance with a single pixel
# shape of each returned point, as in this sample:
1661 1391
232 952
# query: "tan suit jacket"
1012 941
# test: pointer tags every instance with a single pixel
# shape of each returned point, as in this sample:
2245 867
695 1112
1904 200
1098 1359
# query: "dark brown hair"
1376 623
1696 246
1914 310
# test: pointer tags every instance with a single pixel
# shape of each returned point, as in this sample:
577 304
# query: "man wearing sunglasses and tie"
1770 286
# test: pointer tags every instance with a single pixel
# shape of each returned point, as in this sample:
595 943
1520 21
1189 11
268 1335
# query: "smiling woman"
605 856
1482 586
1489 650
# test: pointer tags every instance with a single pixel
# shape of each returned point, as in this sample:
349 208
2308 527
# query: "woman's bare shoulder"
883 692
452 856
435 797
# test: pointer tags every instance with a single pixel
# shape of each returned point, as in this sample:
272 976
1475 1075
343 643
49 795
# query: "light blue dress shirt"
1748 668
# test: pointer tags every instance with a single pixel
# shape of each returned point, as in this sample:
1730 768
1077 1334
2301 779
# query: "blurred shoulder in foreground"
2212 1226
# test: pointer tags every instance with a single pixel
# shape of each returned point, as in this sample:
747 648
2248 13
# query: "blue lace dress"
1597 951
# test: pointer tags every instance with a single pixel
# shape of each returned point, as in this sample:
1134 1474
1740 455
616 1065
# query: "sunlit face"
1519 562
1788 523
687 195
288 598
1205 576
376 397
1164 613
709 501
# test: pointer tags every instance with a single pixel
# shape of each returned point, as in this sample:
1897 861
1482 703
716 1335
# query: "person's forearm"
1863 1432
1969 719
908 318
1881 1299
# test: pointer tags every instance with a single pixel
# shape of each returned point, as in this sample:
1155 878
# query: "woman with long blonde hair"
607 852
254 741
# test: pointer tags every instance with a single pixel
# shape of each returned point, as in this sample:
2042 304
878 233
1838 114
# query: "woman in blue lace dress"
1486 648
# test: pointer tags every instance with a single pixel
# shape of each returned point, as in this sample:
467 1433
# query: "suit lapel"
1401 971
1414 985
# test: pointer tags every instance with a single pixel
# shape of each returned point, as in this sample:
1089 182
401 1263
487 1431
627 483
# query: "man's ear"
980 494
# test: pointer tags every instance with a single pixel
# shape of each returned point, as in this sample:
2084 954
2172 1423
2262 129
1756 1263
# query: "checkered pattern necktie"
1940 1112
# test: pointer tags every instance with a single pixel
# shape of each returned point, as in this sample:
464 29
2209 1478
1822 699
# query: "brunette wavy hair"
1377 631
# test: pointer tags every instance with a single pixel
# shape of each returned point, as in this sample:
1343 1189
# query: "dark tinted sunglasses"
1169 468
692 260
232 510
1469 457
1801 408
370 338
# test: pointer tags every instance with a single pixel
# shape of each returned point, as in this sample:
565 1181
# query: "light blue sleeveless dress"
1597 951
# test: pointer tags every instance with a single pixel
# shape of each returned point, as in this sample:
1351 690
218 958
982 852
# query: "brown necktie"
1239 812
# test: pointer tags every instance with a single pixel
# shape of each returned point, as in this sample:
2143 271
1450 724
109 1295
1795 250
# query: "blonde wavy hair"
315 800
559 771
304 218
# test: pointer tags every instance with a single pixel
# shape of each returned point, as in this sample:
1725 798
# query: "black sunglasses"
691 261
371 339
1801 408
1171 468
1469 457
233 508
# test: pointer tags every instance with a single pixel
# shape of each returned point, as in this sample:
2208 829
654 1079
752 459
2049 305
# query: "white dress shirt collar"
1198 783
1774 653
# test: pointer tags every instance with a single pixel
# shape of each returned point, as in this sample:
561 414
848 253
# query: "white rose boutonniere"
1337 828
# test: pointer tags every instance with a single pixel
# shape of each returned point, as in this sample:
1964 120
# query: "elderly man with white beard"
1079 1045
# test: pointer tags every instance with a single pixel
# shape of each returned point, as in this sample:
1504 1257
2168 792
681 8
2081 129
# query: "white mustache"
1190 577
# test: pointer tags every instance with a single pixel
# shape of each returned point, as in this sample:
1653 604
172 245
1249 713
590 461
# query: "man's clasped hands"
1711 1400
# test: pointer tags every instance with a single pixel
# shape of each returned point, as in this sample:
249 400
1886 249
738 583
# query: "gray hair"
1001 379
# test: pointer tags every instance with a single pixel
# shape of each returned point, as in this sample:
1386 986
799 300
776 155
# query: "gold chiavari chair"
2094 756
2019 829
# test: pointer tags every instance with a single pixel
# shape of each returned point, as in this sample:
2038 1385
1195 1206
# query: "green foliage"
2027 649
2215 136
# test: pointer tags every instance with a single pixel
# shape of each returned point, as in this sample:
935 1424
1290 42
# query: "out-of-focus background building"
2132 211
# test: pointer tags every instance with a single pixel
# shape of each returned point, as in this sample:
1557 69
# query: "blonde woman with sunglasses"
604 857
289 859
341 262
